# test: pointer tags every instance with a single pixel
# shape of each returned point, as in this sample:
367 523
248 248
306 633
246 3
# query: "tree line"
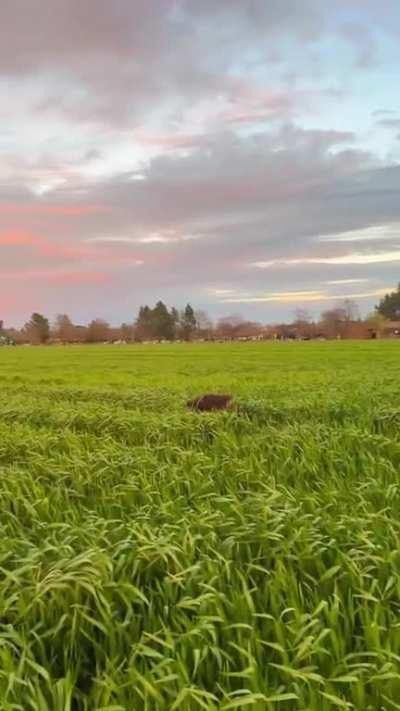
160 323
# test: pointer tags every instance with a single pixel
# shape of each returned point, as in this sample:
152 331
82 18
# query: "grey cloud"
234 176
263 197
391 123
114 60
138 65
379 113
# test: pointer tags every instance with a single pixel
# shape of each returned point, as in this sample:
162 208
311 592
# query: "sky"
243 155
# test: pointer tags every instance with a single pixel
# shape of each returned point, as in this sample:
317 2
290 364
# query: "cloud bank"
240 152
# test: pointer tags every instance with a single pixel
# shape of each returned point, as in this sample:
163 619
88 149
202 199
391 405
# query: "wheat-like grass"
152 559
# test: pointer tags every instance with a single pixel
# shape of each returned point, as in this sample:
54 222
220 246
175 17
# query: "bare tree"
302 316
332 321
203 320
227 325
204 324
351 309
63 328
237 327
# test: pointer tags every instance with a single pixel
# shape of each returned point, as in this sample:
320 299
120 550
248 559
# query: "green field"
155 559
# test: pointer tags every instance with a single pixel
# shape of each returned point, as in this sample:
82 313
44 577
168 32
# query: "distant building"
391 329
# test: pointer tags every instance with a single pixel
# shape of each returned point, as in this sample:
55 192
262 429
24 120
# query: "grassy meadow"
153 559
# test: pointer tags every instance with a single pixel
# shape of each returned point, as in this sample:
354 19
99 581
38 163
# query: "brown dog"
210 403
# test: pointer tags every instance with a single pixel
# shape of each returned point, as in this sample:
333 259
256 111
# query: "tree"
176 320
346 311
64 328
188 323
342 320
376 323
352 312
204 325
143 325
98 331
80 334
302 317
38 329
332 321
157 323
227 325
237 327
389 306
302 324
163 322
175 314
127 332
338 315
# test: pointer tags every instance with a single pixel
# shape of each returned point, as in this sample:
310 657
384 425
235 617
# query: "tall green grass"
156 559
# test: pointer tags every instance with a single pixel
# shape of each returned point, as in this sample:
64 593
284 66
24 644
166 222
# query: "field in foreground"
154 559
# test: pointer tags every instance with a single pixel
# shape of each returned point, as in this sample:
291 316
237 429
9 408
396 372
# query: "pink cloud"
69 278
100 254
163 140
251 104
16 239
24 238
45 209
62 277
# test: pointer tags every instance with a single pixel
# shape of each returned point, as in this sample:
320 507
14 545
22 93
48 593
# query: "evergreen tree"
175 316
188 322
389 306
163 322
156 323
127 331
143 325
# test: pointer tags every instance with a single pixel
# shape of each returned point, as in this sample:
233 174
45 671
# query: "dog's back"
210 403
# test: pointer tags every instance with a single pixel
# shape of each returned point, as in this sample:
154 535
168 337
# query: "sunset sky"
243 155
